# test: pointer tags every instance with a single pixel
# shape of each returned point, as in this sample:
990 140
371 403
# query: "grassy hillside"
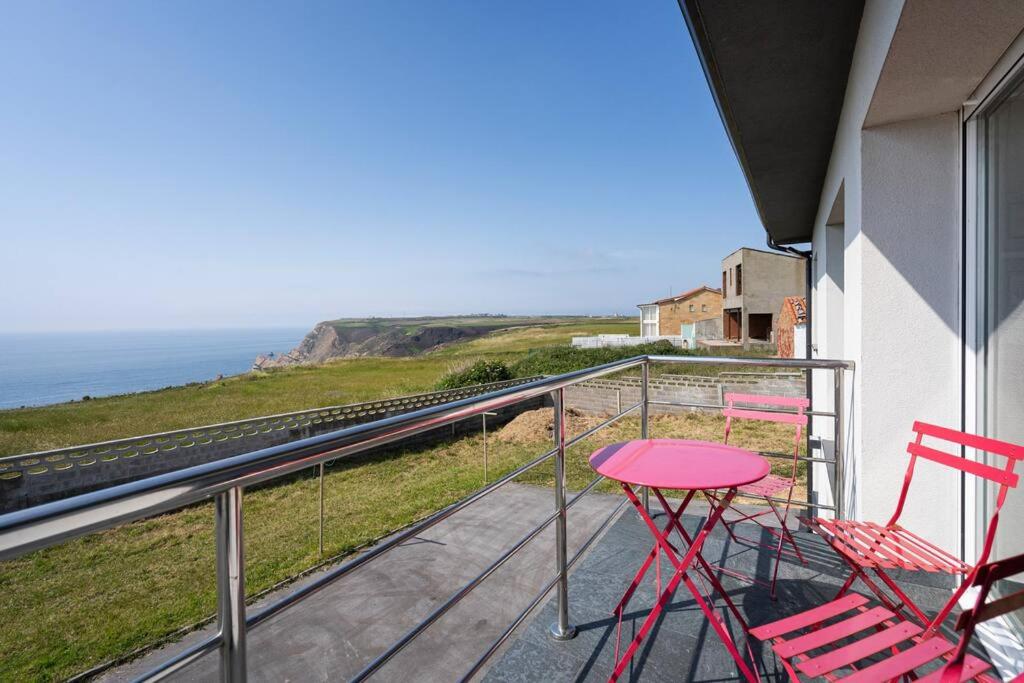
255 394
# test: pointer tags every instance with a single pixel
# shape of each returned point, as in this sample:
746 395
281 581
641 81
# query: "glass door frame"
1007 74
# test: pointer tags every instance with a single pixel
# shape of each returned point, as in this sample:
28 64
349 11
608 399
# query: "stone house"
754 285
666 317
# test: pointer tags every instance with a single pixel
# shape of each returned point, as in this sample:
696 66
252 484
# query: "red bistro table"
692 466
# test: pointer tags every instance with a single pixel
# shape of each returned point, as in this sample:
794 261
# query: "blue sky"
187 164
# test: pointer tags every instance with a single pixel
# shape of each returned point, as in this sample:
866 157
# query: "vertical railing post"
644 432
561 629
321 544
484 418
839 409
230 585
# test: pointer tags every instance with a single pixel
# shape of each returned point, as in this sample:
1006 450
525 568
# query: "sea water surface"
52 367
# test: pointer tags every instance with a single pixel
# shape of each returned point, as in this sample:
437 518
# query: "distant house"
666 317
791 328
754 285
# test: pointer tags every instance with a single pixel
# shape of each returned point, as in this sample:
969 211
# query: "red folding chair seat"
773 488
854 640
866 545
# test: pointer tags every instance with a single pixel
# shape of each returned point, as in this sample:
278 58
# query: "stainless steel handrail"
51 523
766 362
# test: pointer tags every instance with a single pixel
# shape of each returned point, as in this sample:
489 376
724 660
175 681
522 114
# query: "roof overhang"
778 73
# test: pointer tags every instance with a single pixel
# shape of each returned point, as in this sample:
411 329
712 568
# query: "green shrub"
480 372
555 360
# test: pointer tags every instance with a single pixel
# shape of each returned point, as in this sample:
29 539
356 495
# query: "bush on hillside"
480 372
555 360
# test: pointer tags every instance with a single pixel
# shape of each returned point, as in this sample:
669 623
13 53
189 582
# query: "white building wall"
910 316
899 210
878 26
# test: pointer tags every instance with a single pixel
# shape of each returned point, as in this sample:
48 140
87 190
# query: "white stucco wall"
910 316
899 305
878 25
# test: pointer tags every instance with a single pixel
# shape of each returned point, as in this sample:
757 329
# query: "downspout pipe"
809 348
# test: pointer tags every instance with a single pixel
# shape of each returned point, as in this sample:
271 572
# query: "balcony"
470 591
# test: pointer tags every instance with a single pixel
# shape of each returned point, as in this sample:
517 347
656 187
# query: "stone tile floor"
681 646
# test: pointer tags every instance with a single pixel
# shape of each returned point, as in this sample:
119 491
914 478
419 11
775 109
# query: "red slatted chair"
772 486
876 547
819 643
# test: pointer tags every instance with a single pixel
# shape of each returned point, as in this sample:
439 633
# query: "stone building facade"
665 317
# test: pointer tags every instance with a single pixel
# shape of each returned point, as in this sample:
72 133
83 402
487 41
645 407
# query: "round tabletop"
679 464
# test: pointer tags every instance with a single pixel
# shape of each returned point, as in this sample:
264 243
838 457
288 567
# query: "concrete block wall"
36 478
608 396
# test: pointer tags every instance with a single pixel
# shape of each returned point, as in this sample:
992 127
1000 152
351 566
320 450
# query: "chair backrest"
984 577
751 412
1004 476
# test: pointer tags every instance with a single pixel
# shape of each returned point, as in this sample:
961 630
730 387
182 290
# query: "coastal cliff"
394 337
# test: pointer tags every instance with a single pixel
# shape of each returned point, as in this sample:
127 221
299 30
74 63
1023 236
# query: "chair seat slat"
768 486
935 550
854 652
843 541
887 544
833 632
808 617
892 539
901 663
972 667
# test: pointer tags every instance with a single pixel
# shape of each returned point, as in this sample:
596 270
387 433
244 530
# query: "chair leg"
785 530
713 502
846 586
775 572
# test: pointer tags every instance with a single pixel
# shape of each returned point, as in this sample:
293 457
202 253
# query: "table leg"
651 556
681 565
708 569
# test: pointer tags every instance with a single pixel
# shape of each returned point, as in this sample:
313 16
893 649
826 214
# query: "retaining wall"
35 478
604 396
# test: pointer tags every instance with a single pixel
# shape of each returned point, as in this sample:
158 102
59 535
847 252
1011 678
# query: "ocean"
42 368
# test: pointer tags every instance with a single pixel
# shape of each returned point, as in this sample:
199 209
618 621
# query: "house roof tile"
684 295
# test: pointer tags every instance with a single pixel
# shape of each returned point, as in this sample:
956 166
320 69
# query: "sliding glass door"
1000 304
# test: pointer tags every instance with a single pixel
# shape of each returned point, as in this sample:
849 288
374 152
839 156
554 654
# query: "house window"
730 276
704 308
692 308
723 283
739 279
649 321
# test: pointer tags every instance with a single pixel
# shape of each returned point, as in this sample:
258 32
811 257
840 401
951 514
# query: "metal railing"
225 480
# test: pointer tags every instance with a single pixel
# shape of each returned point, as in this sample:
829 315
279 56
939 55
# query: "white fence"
616 340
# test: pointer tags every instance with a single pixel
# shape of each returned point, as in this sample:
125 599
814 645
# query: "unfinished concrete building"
754 284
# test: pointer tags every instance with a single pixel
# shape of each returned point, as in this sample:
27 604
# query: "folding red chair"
772 486
852 641
867 545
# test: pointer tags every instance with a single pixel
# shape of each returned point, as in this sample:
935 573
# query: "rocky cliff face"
329 340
